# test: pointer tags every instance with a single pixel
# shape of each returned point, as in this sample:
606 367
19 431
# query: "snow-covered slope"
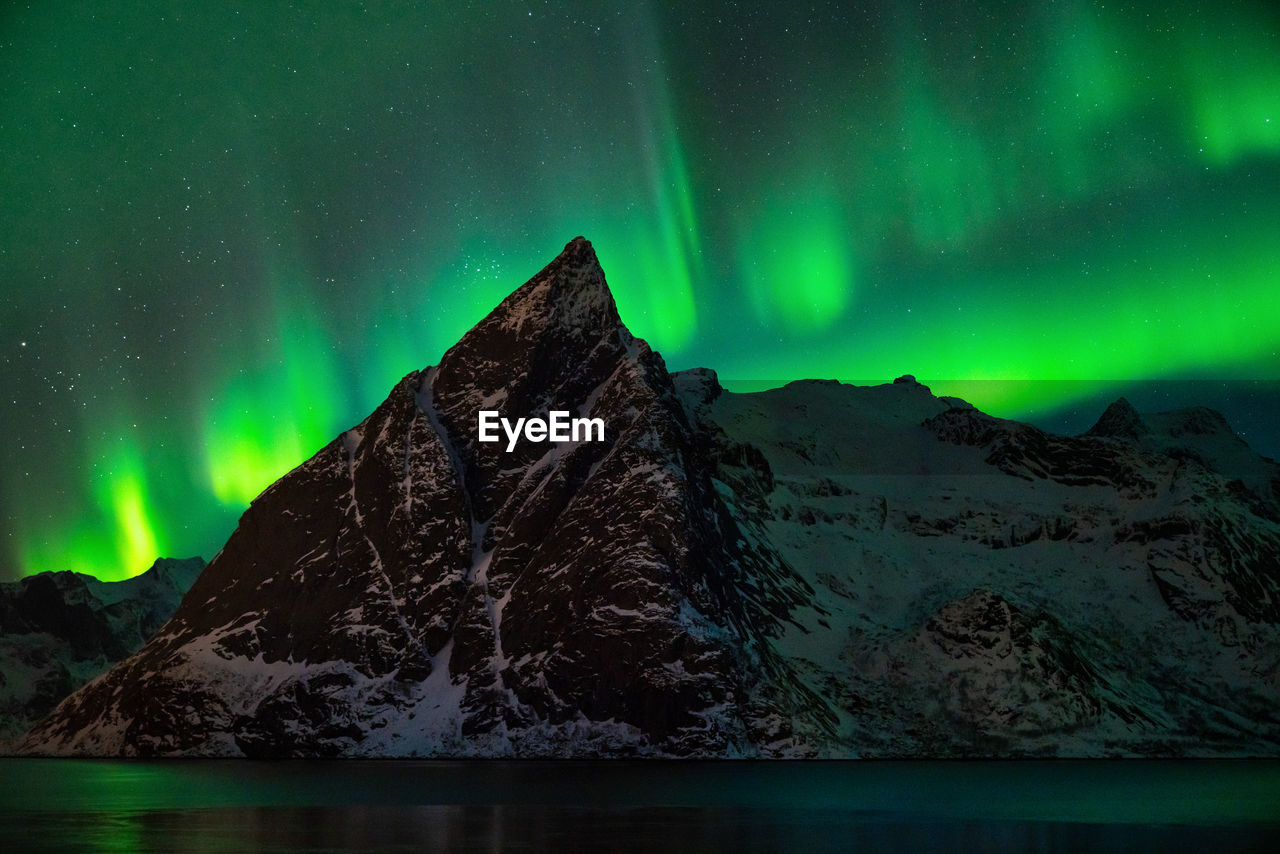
817 570
60 629
985 588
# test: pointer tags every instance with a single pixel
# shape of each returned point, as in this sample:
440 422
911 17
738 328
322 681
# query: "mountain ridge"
798 572
60 629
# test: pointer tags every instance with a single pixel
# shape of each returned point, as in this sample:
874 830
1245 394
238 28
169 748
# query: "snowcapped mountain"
817 570
996 590
60 629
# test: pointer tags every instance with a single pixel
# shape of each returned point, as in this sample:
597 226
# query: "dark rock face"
819 569
412 590
1120 421
60 629
1002 676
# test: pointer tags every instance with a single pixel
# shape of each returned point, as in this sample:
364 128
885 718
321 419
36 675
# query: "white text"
556 427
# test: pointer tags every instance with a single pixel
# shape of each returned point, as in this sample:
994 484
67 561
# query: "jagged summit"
568 298
1120 420
555 343
1195 433
548 345
570 292
909 379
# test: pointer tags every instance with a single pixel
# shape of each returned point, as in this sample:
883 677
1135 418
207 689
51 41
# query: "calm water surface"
1068 806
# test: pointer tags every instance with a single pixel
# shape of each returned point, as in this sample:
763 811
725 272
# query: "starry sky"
230 228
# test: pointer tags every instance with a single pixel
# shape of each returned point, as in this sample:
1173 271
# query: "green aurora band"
230 230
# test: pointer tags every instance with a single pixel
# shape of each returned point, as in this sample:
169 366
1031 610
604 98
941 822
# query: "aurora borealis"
229 229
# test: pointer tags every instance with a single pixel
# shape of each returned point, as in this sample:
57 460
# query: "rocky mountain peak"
568 295
567 302
1120 421
556 343
548 345
416 587
58 630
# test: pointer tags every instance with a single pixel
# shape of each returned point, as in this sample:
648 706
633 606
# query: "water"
1165 806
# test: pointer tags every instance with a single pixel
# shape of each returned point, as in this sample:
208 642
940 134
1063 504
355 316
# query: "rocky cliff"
817 570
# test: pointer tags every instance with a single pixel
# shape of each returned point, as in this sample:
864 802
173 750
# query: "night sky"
230 228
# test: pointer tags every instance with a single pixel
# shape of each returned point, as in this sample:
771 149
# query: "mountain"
816 570
60 629
1198 434
998 591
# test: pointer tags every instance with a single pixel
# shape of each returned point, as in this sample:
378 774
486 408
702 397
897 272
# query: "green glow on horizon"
78 547
1077 334
123 523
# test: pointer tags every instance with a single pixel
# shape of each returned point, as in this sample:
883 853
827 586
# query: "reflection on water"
553 828
629 806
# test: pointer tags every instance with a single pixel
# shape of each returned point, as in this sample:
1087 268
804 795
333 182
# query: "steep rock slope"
412 591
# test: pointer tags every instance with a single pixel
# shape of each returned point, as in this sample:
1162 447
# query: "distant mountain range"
818 570
60 629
